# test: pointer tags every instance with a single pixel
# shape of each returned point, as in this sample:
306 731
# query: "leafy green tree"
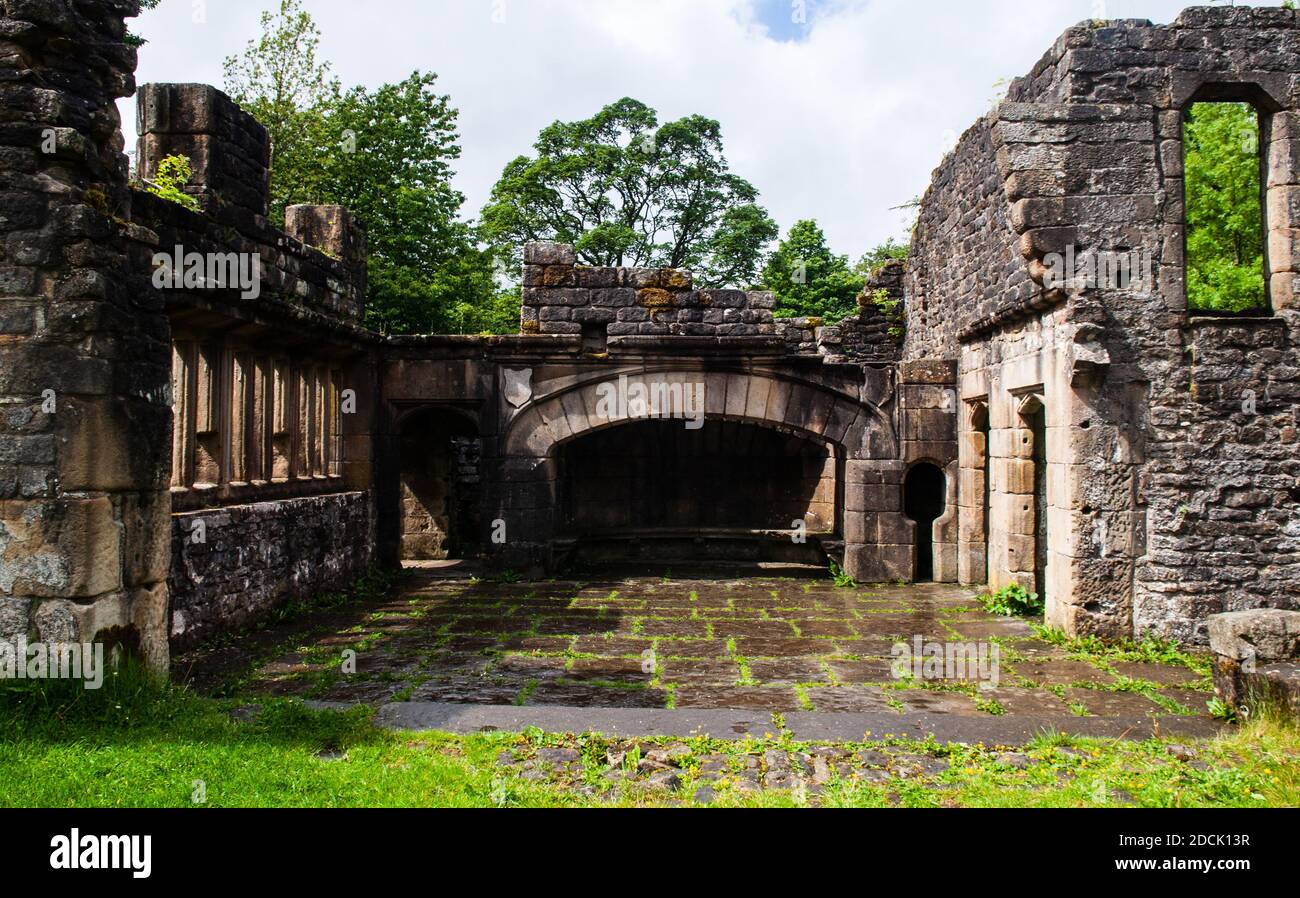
386 154
1225 228
888 251
388 158
281 82
810 280
625 190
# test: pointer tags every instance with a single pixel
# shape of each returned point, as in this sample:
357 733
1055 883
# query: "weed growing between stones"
1148 650
841 577
1013 601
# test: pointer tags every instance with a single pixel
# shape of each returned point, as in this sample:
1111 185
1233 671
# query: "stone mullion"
319 421
260 424
298 378
208 418
333 443
183 396
311 387
241 401
282 417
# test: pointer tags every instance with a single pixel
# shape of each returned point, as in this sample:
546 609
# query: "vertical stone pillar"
85 361
972 492
1013 520
336 232
1282 207
1097 519
228 151
878 539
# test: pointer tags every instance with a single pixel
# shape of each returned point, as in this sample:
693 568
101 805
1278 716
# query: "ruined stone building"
176 461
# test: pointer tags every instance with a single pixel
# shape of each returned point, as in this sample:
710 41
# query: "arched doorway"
730 491
439 486
924 501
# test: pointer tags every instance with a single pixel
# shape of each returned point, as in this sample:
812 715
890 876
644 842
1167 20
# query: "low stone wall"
242 561
560 298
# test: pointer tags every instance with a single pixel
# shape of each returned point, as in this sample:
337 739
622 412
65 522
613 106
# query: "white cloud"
839 126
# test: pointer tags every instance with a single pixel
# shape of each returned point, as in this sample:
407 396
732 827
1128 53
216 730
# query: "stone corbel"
1088 357
1029 404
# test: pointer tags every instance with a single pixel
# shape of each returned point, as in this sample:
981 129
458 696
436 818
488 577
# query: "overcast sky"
836 110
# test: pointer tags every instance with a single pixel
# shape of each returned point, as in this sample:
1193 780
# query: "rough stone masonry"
178 462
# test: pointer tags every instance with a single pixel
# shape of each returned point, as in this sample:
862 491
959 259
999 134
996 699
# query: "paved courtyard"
766 643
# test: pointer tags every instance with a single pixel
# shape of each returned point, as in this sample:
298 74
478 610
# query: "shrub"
1013 601
174 172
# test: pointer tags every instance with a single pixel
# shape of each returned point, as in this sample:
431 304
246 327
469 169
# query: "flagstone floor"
767 642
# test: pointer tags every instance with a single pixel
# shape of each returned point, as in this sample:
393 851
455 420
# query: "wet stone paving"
767 643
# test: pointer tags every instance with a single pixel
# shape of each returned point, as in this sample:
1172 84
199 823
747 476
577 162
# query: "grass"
139 743
1149 649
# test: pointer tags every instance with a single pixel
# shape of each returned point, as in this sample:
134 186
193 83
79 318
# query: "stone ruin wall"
561 297
1168 501
870 335
278 479
88 376
84 370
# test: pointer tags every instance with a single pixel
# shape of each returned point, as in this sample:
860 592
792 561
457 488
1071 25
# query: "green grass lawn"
136 744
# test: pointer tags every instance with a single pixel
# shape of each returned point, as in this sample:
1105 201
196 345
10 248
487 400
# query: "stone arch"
766 399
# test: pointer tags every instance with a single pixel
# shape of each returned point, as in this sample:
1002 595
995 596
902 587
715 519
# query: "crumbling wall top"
562 297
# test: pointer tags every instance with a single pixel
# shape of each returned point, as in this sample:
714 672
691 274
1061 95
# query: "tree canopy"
1225 228
890 250
810 280
625 190
281 82
386 154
